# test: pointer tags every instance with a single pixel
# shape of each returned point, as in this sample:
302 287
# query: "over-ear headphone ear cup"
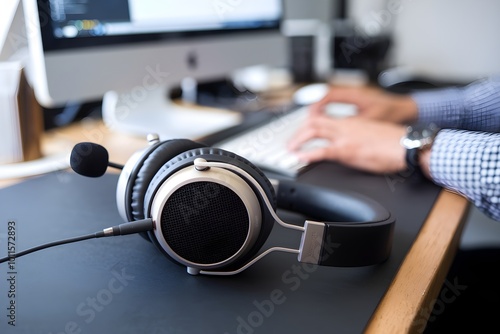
187 158
146 170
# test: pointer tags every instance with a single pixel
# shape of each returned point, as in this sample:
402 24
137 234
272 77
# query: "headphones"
213 211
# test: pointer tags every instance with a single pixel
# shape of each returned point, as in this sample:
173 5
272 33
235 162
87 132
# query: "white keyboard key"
289 161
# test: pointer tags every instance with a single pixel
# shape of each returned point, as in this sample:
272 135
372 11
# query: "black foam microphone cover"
89 159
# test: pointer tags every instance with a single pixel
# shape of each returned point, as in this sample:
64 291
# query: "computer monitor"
130 52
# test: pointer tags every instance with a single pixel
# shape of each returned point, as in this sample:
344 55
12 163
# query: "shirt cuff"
469 163
443 107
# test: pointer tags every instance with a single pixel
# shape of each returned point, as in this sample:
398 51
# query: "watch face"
419 137
414 133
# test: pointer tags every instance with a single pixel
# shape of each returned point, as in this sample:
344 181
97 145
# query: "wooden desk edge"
408 302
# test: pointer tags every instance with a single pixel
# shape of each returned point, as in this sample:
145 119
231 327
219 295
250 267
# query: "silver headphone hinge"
311 242
153 138
198 166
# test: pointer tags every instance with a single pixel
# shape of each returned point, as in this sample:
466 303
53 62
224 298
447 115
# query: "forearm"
475 107
469 163
444 107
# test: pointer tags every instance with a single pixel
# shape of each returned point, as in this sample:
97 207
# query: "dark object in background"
402 82
61 116
404 87
224 94
361 52
302 59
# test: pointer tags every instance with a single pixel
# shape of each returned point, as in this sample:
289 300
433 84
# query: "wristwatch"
417 138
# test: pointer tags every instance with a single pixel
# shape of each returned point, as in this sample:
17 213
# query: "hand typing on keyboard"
267 145
369 141
357 142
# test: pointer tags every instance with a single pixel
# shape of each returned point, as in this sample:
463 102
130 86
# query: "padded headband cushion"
329 205
218 155
358 230
147 168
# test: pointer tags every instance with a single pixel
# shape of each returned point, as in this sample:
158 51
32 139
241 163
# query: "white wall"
448 39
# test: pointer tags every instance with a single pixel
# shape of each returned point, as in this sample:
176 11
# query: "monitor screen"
74 23
137 49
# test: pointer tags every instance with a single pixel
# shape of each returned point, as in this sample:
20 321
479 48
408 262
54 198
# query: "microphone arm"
133 227
115 165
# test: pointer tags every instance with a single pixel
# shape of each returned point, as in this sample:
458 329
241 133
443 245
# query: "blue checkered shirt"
465 155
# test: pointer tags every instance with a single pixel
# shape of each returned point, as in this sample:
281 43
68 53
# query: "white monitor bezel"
75 74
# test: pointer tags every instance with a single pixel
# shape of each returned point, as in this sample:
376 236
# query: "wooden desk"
408 302
409 299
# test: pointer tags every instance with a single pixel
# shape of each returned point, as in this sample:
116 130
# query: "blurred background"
398 44
442 40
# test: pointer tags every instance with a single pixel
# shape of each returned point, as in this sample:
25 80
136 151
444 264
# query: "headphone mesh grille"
204 222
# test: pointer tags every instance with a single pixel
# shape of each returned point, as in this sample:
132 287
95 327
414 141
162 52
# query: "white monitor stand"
143 111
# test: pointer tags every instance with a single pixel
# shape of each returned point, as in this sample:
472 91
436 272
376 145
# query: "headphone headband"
361 234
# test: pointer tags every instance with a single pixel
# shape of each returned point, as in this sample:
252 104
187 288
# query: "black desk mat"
124 285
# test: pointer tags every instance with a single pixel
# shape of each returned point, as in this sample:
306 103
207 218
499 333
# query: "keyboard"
266 145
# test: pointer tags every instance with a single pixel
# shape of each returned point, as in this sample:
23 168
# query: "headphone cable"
133 227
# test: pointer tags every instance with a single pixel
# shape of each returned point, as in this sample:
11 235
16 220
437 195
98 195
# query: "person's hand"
357 142
373 103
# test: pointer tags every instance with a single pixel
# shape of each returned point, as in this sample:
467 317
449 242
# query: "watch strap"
413 163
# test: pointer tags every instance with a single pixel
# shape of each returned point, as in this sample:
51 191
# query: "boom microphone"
90 159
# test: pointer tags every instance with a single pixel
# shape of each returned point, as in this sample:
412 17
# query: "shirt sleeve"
468 162
474 107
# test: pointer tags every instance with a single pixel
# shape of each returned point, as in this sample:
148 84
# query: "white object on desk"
40 166
155 113
310 94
